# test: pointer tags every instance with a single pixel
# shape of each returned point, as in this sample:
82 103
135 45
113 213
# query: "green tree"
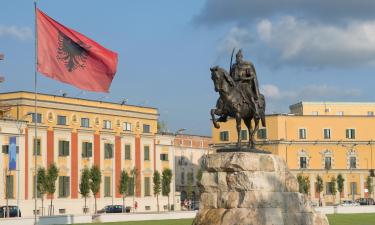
333 189
199 174
319 187
369 185
166 183
340 184
189 187
52 174
41 185
303 184
157 186
134 175
95 180
124 186
84 186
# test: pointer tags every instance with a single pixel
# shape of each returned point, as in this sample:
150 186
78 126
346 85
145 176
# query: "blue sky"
309 50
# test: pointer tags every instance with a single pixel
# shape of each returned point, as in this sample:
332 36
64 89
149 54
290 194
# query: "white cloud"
315 45
291 41
314 92
278 99
21 33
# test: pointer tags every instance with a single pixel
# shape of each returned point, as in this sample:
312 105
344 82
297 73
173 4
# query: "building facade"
76 133
325 139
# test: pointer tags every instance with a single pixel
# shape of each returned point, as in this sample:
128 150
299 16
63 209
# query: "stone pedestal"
244 188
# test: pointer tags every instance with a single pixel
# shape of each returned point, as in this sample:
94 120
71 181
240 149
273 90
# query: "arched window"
303 159
352 159
327 159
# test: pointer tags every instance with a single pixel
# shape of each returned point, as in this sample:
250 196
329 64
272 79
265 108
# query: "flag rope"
35 116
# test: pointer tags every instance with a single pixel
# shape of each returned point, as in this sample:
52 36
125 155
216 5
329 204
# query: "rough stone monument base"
246 188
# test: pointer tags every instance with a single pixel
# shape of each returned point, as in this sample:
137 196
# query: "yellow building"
319 138
77 133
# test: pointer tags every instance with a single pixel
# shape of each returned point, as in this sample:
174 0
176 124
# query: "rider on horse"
243 73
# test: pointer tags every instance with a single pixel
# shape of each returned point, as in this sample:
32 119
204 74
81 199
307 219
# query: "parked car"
114 209
349 203
12 211
365 201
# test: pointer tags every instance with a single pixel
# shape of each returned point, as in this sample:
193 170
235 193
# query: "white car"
349 203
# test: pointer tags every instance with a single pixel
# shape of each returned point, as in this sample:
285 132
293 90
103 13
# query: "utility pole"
1 77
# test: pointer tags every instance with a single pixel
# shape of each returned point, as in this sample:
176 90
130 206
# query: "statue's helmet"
239 54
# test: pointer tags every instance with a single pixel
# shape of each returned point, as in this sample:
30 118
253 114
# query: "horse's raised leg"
238 125
247 122
213 112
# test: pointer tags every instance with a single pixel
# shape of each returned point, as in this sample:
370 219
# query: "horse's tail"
263 110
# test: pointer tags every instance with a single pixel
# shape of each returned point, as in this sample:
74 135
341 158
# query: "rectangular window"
262 133
302 162
5 149
85 122
350 133
9 186
147 186
38 117
224 136
63 148
327 162
302 133
340 113
86 149
243 134
327 133
107 124
128 155
61 120
353 162
64 186
37 147
353 188
182 177
370 113
107 186
329 187
146 128
131 186
127 126
315 113
164 157
146 152
108 151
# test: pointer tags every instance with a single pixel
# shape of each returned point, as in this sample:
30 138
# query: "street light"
179 131
113 167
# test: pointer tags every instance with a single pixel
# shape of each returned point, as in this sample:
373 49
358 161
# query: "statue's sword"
231 60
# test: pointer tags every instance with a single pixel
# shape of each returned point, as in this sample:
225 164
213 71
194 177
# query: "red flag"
70 57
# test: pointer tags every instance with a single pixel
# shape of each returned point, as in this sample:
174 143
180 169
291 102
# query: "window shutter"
66 148
67 186
84 151
89 149
61 186
61 150
347 133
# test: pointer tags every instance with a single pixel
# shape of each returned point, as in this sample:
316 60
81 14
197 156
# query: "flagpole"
35 118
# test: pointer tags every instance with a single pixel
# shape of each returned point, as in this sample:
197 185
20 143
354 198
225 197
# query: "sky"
312 50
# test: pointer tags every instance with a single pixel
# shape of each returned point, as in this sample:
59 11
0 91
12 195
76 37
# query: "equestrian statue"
239 97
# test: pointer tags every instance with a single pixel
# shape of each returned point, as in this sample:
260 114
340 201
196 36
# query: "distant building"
319 138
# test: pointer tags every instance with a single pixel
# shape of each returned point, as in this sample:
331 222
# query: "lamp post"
179 131
18 125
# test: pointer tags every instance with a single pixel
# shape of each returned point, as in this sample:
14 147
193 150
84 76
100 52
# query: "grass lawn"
337 219
150 222
352 219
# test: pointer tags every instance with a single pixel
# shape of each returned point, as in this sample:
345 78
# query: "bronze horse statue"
232 103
